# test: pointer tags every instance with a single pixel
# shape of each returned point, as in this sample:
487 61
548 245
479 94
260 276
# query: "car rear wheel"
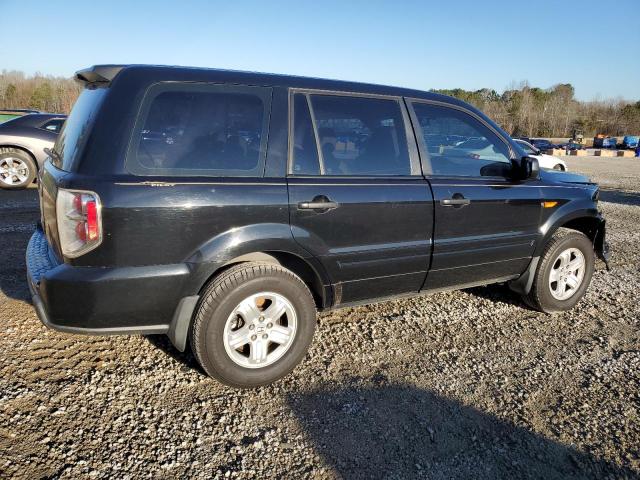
564 272
17 169
253 324
558 167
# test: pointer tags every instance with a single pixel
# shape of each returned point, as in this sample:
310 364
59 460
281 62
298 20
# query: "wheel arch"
266 242
592 226
21 148
298 265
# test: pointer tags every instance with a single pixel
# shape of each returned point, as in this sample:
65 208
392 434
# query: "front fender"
565 214
580 215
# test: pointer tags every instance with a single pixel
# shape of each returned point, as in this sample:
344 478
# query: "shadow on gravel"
186 358
620 196
396 431
498 293
19 212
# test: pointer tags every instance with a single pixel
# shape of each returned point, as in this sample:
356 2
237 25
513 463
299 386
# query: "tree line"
521 110
552 112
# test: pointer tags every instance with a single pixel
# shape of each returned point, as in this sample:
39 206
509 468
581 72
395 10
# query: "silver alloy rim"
13 171
260 330
567 274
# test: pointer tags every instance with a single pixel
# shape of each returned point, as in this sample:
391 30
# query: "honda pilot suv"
224 209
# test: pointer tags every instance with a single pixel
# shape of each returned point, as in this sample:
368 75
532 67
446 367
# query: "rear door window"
458 144
201 130
360 135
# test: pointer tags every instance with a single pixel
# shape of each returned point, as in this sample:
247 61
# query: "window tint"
201 130
53 125
76 129
360 136
305 151
460 145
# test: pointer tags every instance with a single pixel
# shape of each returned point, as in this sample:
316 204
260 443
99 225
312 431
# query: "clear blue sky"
445 44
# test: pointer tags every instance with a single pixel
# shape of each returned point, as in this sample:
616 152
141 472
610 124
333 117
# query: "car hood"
558 176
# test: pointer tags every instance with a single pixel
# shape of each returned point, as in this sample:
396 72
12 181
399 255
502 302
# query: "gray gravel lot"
468 384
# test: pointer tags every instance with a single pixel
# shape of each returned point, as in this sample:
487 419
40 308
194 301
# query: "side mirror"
529 168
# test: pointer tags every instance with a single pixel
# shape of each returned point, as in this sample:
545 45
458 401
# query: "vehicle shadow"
620 196
186 358
19 213
498 293
399 431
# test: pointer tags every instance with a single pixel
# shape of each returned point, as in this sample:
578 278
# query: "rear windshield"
76 129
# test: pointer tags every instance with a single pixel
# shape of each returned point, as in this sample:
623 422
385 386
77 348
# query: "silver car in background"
22 143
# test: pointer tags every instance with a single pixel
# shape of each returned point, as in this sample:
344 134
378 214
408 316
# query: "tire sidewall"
33 170
572 240
214 356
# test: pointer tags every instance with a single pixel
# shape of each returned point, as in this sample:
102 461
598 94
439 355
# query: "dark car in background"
11 113
543 144
22 143
227 208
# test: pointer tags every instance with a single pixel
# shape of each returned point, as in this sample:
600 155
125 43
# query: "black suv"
224 209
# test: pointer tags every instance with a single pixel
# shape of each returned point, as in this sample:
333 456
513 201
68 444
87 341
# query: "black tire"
25 158
218 301
540 296
558 167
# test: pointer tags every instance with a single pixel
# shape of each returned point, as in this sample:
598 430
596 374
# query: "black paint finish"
356 239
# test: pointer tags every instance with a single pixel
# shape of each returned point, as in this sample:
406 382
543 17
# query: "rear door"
357 199
486 224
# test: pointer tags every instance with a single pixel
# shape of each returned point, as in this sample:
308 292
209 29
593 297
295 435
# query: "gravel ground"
463 384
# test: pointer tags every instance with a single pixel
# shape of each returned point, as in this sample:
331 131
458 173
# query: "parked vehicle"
9 114
630 141
577 137
543 144
544 160
22 143
601 141
228 207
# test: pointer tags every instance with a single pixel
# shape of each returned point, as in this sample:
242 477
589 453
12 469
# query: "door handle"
318 203
457 200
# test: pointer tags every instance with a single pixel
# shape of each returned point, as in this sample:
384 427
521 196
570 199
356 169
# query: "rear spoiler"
98 74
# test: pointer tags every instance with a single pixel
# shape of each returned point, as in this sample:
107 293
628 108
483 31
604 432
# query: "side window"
53 125
304 150
460 145
360 136
210 130
527 148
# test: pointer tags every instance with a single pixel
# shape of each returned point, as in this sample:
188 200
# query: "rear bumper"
102 301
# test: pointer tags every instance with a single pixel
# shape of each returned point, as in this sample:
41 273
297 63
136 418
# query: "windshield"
76 129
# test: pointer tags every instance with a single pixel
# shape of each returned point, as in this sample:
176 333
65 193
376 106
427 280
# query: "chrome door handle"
457 200
317 205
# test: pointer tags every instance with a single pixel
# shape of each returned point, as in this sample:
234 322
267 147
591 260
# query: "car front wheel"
564 272
253 324
17 169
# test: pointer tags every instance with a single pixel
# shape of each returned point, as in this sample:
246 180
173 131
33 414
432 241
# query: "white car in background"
545 161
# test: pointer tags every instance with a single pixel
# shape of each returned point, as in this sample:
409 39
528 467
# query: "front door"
486 224
357 199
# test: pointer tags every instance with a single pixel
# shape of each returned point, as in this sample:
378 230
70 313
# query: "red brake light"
92 221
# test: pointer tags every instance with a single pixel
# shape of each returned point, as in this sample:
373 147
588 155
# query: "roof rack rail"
98 74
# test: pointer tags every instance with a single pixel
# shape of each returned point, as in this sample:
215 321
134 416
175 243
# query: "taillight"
79 221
